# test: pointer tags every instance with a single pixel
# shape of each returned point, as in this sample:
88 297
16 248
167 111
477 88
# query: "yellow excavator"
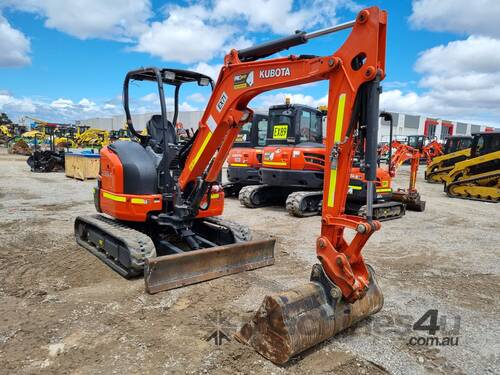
5 134
456 148
93 137
477 177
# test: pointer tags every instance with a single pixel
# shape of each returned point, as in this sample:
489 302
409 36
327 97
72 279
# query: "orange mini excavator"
245 158
158 197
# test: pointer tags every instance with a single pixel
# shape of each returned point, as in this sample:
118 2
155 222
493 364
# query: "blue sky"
66 59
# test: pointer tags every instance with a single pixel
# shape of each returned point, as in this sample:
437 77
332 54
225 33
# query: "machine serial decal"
243 80
222 101
277 72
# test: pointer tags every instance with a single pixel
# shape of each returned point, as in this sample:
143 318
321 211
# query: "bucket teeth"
291 322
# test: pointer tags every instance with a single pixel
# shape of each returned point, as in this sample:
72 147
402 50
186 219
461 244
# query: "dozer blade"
289 323
174 271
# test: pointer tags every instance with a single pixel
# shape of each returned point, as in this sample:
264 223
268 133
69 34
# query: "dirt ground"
62 311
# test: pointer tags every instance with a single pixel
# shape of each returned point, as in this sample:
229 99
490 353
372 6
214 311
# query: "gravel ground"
65 312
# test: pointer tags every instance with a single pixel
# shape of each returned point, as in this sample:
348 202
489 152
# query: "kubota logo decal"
272 73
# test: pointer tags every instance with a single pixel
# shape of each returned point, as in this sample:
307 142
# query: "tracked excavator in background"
51 160
456 148
157 198
428 148
410 196
245 158
293 160
478 176
293 169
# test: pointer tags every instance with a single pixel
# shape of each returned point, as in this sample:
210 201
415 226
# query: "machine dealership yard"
64 311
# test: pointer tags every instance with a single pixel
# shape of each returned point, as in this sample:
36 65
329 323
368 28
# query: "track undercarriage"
308 203
127 248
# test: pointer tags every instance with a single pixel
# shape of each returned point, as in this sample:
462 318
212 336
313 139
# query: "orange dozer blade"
289 323
174 271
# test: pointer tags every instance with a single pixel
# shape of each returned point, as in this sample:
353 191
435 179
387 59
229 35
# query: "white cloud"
62 103
282 16
208 69
151 97
479 17
15 46
107 19
198 98
9 103
185 106
461 80
185 36
267 100
204 32
475 54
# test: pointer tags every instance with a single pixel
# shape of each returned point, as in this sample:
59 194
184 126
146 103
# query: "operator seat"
155 131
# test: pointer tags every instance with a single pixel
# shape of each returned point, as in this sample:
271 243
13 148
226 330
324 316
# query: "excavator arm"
353 73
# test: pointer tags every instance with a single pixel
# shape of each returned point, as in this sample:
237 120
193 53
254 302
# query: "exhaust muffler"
298 319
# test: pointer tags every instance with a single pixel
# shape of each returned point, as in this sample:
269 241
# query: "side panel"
129 207
111 171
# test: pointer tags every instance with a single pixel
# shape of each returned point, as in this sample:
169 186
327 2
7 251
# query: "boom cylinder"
371 141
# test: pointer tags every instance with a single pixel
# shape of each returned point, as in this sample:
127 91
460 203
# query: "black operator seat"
155 131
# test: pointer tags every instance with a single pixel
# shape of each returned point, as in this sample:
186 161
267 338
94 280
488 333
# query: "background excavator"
51 160
293 160
456 148
159 197
292 172
428 148
245 158
478 176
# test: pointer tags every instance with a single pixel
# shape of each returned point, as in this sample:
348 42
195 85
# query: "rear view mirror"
203 82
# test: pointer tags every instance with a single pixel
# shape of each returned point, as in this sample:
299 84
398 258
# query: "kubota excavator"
245 158
293 161
427 148
456 148
410 196
159 197
293 169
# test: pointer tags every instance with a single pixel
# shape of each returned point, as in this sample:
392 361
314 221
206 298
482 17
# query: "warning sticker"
280 131
243 80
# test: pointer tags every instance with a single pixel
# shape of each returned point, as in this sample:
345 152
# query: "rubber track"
240 232
294 200
139 245
466 181
245 195
443 171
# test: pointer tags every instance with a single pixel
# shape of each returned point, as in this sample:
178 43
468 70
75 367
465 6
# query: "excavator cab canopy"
168 76
253 133
416 141
294 124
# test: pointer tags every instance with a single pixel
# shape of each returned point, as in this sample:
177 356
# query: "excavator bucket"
289 323
174 271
